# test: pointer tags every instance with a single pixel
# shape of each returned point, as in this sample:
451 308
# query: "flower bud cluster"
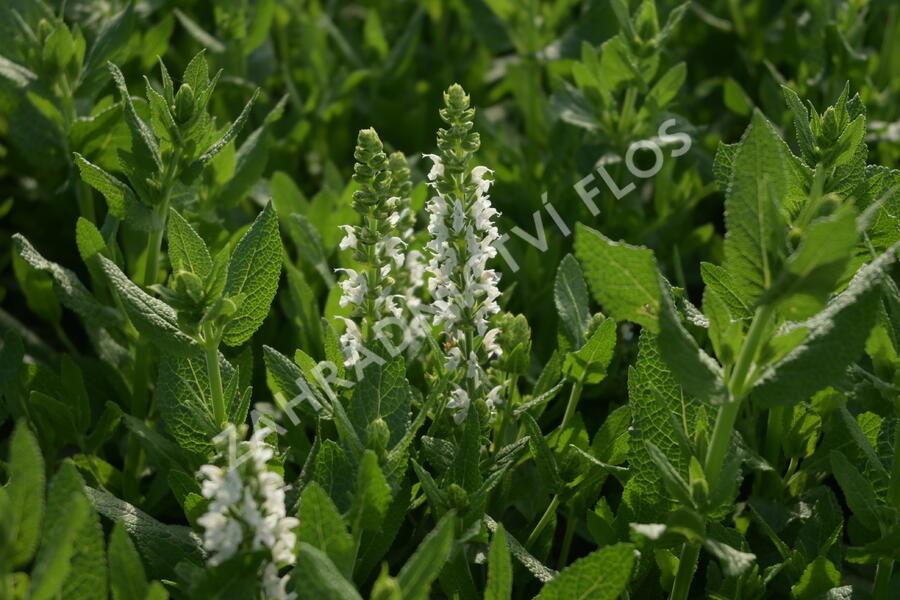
375 245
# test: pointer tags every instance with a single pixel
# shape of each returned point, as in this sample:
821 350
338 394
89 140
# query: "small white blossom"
437 169
349 240
493 398
351 341
353 287
459 404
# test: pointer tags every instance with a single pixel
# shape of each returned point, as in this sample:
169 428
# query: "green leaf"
164 453
857 490
25 490
127 578
113 37
52 564
151 317
335 474
231 132
698 373
814 270
319 579
534 566
543 456
571 297
87 577
588 365
372 497
657 403
601 575
675 484
818 578
251 159
848 144
185 399
89 240
621 277
720 280
805 136
161 546
199 34
15 73
835 338
308 241
500 573
253 270
69 288
735 98
122 202
322 527
144 144
667 87
734 562
425 564
377 543
382 393
187 250
761 178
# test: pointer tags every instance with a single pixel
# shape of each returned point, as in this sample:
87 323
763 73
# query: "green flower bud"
378 435
458 497
697 481
830 129
184 103
386 587
190 285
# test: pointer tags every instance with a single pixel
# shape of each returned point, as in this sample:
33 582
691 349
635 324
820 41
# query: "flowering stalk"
375 245
464 291
246 509
410 277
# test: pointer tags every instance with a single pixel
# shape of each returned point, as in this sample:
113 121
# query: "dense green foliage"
449 299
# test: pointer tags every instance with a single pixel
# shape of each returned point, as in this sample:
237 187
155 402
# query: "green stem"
721 437
571 405
775 434
567 539
728 412
687 563
749 350
211 349
143 353
883 573
545 519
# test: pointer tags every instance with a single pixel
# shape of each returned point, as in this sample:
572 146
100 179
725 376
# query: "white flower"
354 288
490 342
483 185
221 537
349 240
351 342
493 398
459 403
274 586
437 169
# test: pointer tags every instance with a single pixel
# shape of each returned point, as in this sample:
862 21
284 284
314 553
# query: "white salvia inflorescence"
463 289
410 279
246 509
375 244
